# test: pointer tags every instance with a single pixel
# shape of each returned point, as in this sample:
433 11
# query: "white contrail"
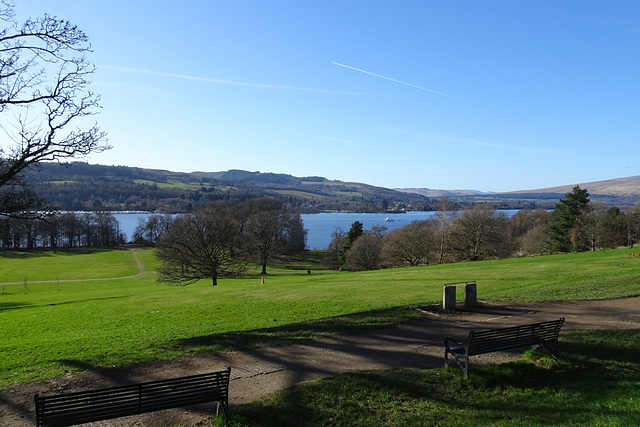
396 81
227 82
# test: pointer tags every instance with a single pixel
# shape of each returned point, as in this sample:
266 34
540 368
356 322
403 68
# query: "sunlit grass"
65 265
51 328
170 184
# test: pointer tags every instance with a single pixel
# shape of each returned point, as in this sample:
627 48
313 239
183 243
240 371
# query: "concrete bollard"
449 298
470 295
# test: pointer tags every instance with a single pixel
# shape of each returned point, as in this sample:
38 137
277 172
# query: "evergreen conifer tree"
565 219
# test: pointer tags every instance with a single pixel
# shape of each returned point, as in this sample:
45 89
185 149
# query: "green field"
63 326
65 265
170 184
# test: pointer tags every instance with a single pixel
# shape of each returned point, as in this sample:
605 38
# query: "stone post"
470 295
449 297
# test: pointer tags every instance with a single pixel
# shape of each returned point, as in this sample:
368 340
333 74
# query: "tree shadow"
287 334
86 300
4 306
596 345
511 393
47 253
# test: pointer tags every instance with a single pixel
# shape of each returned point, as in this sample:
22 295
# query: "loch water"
320 226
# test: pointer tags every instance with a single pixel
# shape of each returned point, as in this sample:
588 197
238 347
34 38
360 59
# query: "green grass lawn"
53 328
65 265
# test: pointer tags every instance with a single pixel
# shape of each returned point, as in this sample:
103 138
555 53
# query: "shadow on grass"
606 346
86 300
4 306
17 305
46 253
595 383
286 334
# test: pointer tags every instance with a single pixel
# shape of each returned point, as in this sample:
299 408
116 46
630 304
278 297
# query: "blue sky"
485 95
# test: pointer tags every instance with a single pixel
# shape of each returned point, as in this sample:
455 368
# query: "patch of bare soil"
257 372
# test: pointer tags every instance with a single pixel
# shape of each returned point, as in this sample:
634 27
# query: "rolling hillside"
620 187
82 186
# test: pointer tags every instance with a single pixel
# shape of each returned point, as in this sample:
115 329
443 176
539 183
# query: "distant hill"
82 186
620 187
621 192
428 192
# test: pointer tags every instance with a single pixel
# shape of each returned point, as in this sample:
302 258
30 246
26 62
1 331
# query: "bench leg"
552 347
463 364
224 405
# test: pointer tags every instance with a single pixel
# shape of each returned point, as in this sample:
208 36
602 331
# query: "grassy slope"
65 265
69 326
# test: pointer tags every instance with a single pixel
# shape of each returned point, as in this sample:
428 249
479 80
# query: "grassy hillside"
82 186
51 328
65 265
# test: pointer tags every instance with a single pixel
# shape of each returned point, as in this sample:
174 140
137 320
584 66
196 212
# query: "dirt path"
257 372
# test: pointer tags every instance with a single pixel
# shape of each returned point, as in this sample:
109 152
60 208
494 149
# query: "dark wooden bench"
544 334
102 404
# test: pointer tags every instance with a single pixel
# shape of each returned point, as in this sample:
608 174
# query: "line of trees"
61 230
480 233
220 240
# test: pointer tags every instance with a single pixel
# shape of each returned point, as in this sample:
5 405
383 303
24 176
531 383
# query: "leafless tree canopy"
199 245
44 99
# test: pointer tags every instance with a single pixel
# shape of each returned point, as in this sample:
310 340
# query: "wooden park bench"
102 404
544 334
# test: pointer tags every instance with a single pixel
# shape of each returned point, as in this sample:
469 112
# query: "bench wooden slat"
537 334
101 404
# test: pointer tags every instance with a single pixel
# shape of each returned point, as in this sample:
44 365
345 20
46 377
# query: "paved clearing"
257 372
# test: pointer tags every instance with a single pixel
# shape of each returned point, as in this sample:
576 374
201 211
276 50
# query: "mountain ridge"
82 186
622 192
626 186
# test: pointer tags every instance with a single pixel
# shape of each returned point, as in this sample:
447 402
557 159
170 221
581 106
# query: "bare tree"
332 254
632 225
480 233
200 245
411 245
151 229
591 226
445 217
268 224
528 232
365 253
43 95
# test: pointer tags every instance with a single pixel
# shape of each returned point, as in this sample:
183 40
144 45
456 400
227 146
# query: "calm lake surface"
319 226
